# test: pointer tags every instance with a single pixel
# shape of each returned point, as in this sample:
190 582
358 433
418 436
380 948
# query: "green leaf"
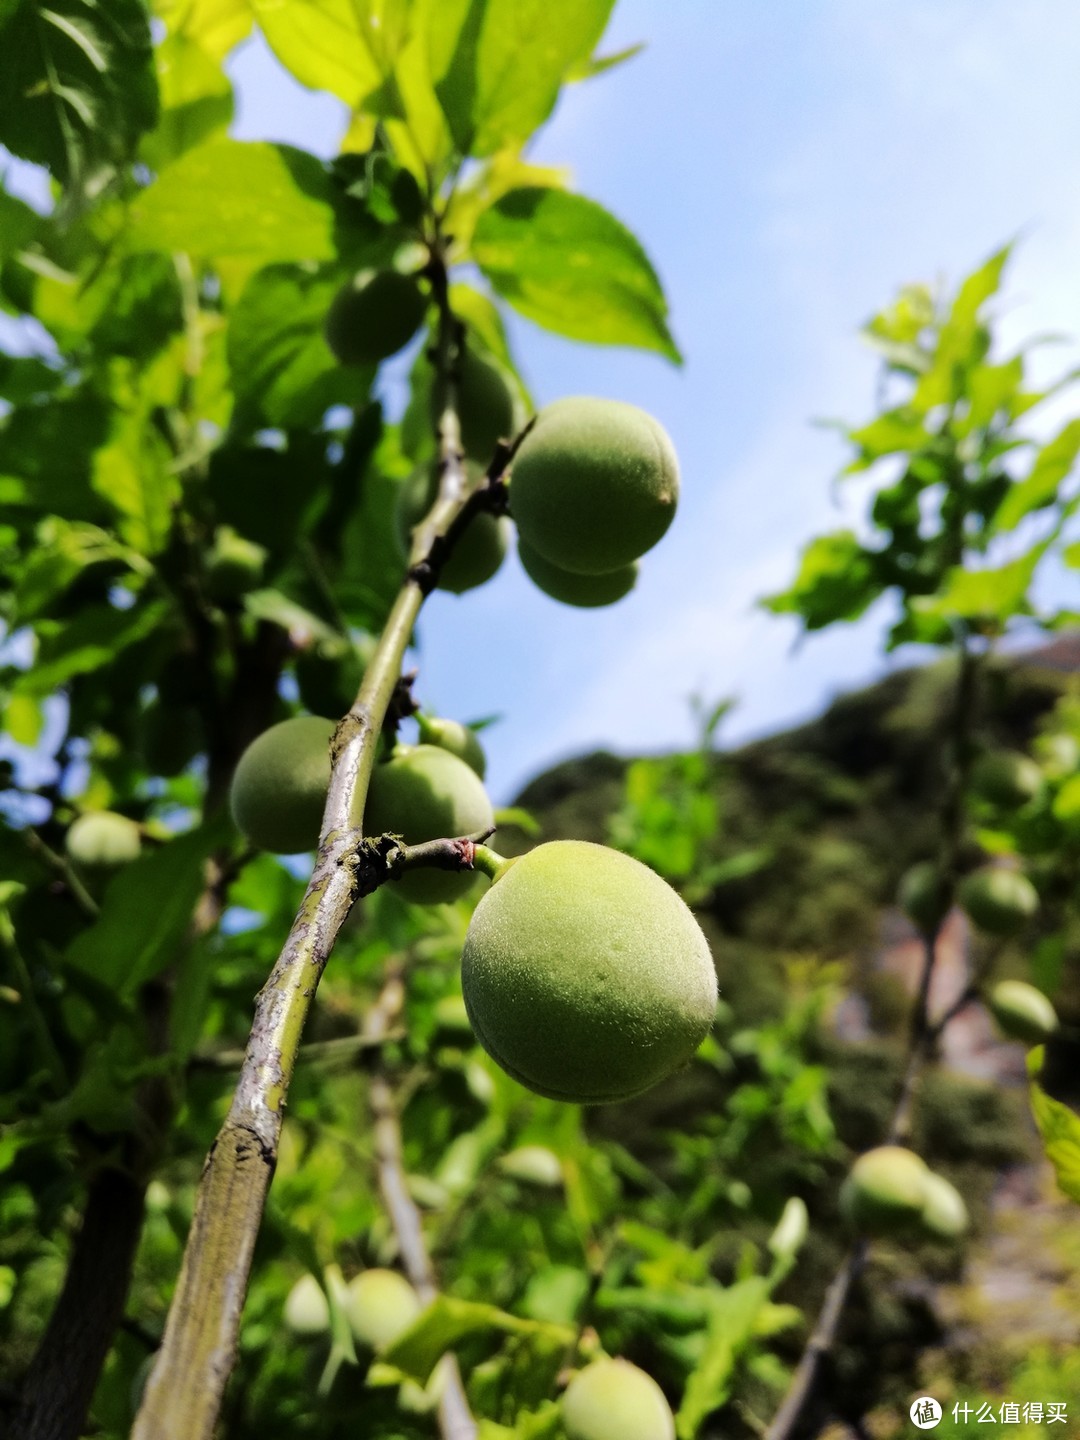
147 910
1040 486
196 101
214 25
564 262
283 370
347 47
89 641
499 64
17 223
79 86
132 472
1060 1130
62 552
732 1324
994 594
962 340
836 581
894 432
445 1322
233 198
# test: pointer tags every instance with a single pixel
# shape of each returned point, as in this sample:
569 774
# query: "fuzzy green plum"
102 840
1006 778
587 592
451 735
380 1305
594 485
486 408
885 1191
999 901
1022 1012
279 787
478 552
944 1215
425 793
586 977
614 1400
307 1310
373 316
925 896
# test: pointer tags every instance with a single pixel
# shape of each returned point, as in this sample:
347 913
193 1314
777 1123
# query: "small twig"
78 890
455 1418
349 1048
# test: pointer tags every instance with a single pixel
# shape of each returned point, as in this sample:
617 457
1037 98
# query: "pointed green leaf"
347 47
147 911
232 198
991 594
498 65
283 370
133 473
445 1322
566 263
836 581
1060 1130
216 26
732 1324
79 86
1041 484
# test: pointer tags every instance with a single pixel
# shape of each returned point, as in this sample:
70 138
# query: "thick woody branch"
183 1395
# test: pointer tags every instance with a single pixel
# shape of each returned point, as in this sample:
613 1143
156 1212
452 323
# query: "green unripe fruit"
614 1400
477 553
535 1164
885 1191
1006 778
585 975
380 1305
586 591
944 1215
328 677
594 485
279 788
1022 1012
457 738
1001 902
307 1310
424 793
924 896
791 1231
1060 755
101 840
374 316
234 565
487 410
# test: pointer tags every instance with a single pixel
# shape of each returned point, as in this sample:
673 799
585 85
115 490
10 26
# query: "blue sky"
787 166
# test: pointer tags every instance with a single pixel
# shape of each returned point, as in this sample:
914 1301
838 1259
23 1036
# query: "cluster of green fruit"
593 486
892 1191
585 976
379 1305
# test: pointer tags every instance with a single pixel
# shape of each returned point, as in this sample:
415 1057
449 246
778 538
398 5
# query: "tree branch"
455 1418
183 1395
923 1037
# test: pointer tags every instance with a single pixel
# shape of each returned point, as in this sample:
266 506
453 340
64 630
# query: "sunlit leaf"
1060 1130
1041 484
261 202
564 262
79 86
499 64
